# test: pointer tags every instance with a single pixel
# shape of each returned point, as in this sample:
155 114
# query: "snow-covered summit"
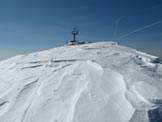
96 82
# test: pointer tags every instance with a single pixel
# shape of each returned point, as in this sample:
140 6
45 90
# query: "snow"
96 82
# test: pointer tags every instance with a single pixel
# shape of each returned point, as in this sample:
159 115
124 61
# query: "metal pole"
74 33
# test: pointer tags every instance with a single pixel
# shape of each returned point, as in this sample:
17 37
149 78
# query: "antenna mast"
74 33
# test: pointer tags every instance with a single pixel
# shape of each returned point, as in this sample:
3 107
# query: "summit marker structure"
75 41
74 33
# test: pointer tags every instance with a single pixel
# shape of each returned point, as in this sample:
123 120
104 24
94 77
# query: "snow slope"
97 82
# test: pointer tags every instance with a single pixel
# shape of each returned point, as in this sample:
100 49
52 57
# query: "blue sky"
33 25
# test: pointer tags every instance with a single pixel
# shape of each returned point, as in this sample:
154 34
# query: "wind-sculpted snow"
97 82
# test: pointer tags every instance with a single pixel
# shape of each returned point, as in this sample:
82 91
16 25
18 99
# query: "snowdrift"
97 82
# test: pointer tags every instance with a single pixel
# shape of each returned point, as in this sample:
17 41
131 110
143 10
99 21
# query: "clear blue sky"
33 25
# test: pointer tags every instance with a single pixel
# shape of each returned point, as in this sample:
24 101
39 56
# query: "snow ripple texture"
97 82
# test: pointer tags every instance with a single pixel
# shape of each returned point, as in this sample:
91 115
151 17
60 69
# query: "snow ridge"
96 82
